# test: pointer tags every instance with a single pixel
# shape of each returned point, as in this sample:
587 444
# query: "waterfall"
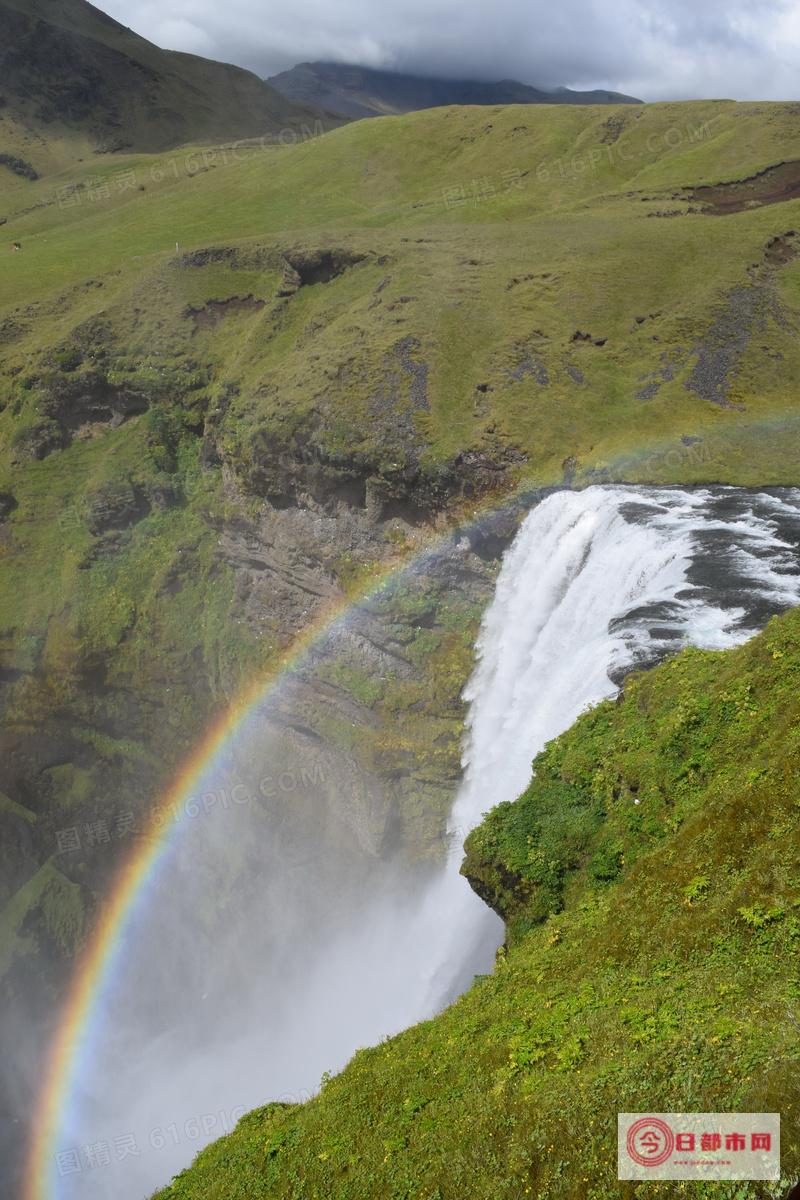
599 581
595 583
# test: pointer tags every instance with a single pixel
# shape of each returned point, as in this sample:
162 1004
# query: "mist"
271 949
274 943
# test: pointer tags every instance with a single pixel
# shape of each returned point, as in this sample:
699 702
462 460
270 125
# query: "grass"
650 965
585 254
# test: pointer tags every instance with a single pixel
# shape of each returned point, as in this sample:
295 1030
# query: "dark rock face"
280 562
671 364
746 312
321 266
299 471
781 249
115 506
18 166
773 185
38 440
743 313
7 504
73 400
726 341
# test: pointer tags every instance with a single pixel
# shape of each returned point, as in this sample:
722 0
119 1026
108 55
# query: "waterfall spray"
595 583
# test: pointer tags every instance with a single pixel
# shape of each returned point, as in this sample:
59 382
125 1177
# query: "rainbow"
103 954
104 951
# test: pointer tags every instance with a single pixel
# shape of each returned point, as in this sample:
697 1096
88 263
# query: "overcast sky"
655 49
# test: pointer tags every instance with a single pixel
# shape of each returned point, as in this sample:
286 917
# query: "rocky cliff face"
203 519
360 744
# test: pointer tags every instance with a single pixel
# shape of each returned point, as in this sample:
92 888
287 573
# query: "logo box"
699 1145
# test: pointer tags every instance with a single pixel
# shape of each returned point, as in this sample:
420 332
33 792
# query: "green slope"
556 312
652 965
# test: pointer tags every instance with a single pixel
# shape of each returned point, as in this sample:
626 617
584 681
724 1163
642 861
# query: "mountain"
68 69
354 91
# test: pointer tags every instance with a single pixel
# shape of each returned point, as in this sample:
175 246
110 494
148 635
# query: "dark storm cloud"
658 49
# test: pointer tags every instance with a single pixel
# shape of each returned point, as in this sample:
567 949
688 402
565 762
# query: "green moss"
46 913
71 785
10 807
366 688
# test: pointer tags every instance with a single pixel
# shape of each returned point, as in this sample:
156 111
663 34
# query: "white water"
593 582
576 570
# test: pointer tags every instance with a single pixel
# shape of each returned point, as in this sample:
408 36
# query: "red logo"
650 1141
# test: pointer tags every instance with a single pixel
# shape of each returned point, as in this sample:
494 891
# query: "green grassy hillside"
649 877
521 255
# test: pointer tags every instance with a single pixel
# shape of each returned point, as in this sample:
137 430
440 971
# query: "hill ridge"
69 70
357 91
